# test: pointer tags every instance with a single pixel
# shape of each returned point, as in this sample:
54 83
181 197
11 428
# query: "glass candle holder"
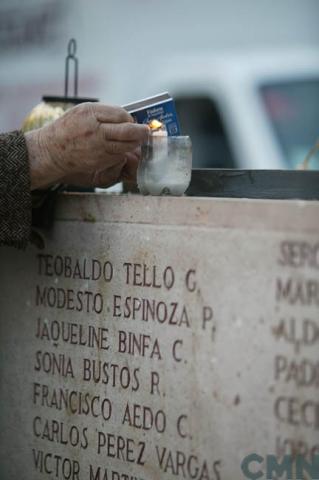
165 166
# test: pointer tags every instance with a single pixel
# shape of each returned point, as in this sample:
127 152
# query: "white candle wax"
159 140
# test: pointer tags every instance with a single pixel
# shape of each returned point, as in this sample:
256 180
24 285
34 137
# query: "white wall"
118 41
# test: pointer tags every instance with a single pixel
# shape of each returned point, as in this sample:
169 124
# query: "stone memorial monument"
161 338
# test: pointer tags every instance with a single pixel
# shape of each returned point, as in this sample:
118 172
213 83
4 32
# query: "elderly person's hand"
91 144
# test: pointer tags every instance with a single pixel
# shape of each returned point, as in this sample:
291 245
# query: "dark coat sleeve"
15 192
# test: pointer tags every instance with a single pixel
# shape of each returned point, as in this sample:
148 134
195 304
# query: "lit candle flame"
155 125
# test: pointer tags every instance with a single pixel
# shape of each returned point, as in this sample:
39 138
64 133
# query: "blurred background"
244 73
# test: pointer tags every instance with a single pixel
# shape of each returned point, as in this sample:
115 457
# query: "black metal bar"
271 184
71 57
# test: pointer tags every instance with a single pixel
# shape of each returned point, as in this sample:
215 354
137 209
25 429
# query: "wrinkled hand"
90 145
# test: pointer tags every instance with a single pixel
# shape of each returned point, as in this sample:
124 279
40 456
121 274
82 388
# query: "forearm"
15 195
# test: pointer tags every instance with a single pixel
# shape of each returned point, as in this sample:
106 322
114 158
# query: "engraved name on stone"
145 351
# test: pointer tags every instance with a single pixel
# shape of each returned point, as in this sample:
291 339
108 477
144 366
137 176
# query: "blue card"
160 107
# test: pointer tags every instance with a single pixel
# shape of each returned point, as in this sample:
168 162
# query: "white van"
253 110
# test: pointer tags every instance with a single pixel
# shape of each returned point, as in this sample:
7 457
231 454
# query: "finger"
134 156
138 151
108 177
110 114
125 131
79 179
119 148
130 168
100 178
